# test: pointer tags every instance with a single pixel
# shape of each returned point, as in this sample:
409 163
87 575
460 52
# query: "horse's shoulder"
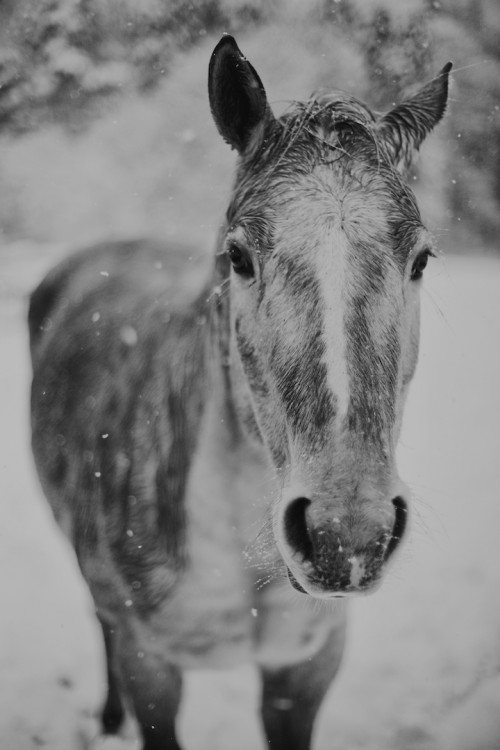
119 377
114 282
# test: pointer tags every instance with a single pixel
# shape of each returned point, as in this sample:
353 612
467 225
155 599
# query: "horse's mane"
335 120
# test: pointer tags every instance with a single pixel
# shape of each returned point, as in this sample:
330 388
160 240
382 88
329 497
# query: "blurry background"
105 127
105 131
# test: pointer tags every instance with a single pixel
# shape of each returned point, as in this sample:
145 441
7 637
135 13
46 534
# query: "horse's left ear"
404 128
237 97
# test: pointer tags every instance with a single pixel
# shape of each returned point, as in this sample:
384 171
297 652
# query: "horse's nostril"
398 530
296 531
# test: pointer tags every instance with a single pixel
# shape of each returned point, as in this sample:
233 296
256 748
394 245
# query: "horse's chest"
229 495
210 617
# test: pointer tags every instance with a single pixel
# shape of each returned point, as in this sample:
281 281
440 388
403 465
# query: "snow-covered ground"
422 669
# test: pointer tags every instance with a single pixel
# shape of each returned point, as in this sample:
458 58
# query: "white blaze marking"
357 571
331 264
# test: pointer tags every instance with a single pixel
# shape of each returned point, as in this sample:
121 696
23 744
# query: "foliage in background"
71 69
58 56
409 42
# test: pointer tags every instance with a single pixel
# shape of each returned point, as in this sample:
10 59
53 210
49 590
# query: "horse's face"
325 251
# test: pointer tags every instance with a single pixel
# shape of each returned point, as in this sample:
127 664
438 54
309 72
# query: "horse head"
324 249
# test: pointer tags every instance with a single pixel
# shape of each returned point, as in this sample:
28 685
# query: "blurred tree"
404 42
468 31
58 57
61 59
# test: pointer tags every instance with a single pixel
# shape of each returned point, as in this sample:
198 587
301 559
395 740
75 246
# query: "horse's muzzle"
342 554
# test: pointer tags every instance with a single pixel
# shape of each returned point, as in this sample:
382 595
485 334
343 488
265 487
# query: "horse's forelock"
330 122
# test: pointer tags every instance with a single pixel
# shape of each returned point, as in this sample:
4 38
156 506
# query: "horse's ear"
237 97
404 128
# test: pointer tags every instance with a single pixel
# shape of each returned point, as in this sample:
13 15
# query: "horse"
222 454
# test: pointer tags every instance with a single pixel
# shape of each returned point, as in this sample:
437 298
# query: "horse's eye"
419 265
240 260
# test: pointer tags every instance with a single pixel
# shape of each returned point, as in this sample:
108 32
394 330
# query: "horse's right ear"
237 97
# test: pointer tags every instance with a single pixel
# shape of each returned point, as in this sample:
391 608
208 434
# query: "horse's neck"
232 475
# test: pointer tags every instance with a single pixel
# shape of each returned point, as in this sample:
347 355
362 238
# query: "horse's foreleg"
113 713
292 695
154 687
